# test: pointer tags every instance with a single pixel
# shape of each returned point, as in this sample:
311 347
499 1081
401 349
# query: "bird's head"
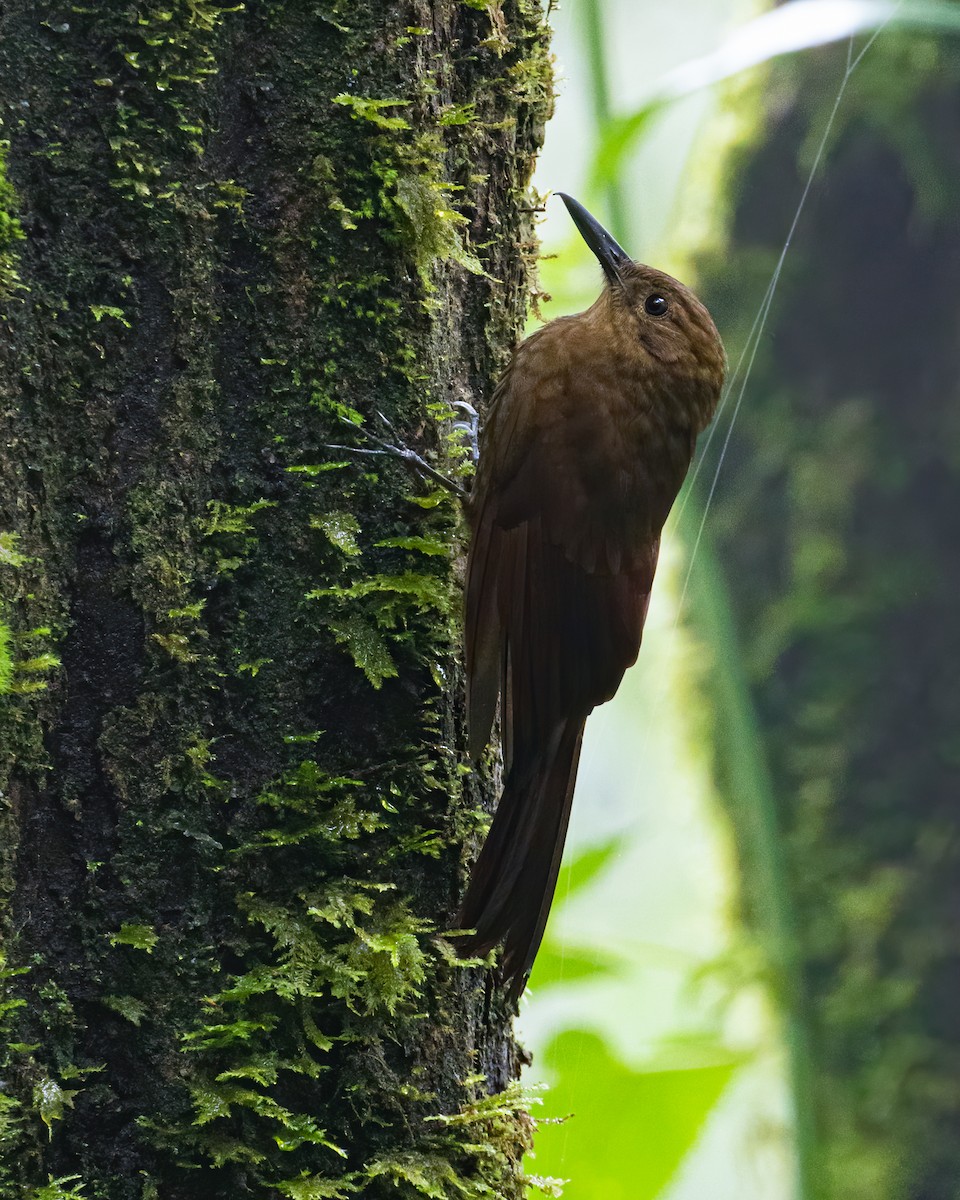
651 310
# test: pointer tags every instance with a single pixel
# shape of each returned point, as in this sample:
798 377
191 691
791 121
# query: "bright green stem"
753 808
602 110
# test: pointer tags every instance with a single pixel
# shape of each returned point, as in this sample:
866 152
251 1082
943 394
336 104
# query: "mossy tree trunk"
836 533
235 813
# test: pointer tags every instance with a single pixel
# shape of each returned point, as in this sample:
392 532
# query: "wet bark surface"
236 813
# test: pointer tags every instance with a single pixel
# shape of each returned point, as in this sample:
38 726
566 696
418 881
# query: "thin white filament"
752 343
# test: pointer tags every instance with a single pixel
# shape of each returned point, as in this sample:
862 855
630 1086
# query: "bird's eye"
656 305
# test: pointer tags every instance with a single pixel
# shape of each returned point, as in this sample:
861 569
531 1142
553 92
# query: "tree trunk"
235 813
836 534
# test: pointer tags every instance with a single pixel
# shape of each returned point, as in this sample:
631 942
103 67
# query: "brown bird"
586 444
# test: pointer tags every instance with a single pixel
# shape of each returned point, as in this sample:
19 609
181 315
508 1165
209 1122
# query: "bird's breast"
585 445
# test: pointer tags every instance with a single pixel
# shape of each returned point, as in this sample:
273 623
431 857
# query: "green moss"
470 1154
393 595
252 906
129 1007
364 108
366 645
341 529
50 1100
416 194
18 675
432 547
13 1118
141 937
11 231
66 1187
339 948
432 226
369 614
232 533
6 661
162 62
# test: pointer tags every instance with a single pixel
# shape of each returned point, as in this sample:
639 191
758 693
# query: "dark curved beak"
610 254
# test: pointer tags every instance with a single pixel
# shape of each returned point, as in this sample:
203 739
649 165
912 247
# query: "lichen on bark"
235 818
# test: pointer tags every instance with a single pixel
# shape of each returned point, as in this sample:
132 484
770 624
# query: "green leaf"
620 135
560 964
589 866
50 1100
787 29
646 1125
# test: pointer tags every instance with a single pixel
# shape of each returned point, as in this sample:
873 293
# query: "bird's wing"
564 547
574 483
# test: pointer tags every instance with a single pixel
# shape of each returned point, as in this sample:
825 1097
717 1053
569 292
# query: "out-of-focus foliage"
835 531
631 1125
822 601
630 1147
800 25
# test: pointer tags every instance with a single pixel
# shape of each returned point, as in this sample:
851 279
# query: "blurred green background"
750 983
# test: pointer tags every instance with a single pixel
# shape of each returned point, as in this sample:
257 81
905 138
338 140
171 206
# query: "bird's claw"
410 458
470 426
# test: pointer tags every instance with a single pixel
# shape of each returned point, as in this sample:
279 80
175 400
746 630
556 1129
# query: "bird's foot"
467 429
386 449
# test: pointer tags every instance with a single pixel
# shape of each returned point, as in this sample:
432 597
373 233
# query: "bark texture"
836 533
234 815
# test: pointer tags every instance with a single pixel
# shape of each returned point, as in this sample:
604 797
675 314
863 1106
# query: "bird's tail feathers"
515 876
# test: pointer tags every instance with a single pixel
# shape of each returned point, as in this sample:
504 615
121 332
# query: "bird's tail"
514 878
